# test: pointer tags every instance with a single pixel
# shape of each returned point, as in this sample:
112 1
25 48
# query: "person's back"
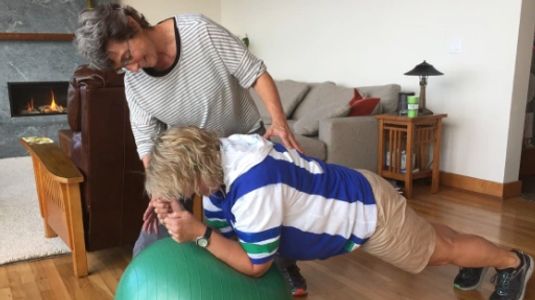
280 198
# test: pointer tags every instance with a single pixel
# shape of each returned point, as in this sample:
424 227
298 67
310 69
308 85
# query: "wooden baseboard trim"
491 188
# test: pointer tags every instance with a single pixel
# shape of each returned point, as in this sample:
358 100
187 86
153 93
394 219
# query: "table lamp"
423 70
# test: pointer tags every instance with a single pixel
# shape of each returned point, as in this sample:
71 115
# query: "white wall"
360 42
157 10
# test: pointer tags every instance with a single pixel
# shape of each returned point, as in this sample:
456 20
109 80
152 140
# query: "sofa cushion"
387 93
290 93
321 94
312 146
309 124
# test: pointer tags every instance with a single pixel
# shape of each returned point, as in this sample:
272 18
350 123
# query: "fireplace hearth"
30 99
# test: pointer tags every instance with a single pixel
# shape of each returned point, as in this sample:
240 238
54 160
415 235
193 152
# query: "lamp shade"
424 69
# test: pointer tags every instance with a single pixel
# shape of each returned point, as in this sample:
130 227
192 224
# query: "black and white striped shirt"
207 87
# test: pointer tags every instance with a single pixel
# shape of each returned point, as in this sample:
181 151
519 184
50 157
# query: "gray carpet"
21 225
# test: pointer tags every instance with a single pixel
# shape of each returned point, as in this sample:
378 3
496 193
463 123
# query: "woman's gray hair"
104 23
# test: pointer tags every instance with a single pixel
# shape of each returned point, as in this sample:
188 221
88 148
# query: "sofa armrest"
351 141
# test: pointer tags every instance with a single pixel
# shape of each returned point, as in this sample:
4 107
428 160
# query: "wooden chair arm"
60 167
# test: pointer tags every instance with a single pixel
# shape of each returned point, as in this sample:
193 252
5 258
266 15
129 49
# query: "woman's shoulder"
192 19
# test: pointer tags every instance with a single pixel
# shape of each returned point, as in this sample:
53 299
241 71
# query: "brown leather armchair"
101 144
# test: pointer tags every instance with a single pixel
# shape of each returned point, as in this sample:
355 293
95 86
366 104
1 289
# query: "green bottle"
412 106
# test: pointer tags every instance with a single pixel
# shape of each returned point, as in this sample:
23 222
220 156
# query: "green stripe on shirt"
218 224
350 246
257 248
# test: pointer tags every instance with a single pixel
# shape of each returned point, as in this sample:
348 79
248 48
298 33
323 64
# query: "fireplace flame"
51 108
53 105
30 106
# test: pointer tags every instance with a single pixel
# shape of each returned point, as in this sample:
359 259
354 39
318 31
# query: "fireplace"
28 99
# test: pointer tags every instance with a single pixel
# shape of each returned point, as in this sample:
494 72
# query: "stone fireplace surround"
34 60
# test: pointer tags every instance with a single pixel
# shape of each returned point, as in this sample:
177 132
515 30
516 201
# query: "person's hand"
155 213
162 208
282 130
182 225
150 220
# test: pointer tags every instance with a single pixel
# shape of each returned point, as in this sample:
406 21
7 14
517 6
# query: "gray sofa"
317 113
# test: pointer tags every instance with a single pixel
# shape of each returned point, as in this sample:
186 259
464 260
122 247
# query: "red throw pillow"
357 96
362 106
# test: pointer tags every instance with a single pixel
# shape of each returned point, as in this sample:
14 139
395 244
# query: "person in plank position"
277 200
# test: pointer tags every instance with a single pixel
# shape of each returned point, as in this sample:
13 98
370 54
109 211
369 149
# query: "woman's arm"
266 89
251 71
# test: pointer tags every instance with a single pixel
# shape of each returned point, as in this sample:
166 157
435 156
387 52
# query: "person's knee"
146 239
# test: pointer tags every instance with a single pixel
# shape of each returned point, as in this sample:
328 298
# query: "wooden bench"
57 180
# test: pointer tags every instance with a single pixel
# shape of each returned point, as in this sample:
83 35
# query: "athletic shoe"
292 274
511 283
469 278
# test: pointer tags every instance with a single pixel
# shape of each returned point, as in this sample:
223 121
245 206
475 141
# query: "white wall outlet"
455 46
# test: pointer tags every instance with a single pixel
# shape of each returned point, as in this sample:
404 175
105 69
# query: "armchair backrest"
103 147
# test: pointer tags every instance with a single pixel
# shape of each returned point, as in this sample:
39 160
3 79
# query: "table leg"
408 160
435 179
380 149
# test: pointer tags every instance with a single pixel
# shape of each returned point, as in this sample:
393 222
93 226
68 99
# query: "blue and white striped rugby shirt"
278 200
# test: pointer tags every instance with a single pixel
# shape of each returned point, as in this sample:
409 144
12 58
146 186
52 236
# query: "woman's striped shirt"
207 87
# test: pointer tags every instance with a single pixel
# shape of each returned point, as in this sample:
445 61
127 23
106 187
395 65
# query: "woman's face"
133 54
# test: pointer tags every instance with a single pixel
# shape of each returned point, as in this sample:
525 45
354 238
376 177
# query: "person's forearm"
145 159
267 90
230 252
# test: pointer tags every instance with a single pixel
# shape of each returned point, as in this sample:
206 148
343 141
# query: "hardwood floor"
359 276
354 276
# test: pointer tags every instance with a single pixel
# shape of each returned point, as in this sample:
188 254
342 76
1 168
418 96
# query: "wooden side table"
405 142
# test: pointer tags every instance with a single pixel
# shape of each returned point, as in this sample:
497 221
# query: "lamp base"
424 111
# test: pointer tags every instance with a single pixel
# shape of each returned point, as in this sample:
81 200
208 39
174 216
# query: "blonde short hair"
181 158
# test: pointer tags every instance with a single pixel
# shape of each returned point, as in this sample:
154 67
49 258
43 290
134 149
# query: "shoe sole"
527 276
299 292
475 286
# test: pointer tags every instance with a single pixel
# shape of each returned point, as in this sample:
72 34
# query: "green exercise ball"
169 270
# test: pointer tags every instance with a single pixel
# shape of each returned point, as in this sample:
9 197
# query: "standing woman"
185 70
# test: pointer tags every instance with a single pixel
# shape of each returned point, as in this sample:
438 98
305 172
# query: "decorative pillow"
356 96
364 107
361 106
309 125
291 94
